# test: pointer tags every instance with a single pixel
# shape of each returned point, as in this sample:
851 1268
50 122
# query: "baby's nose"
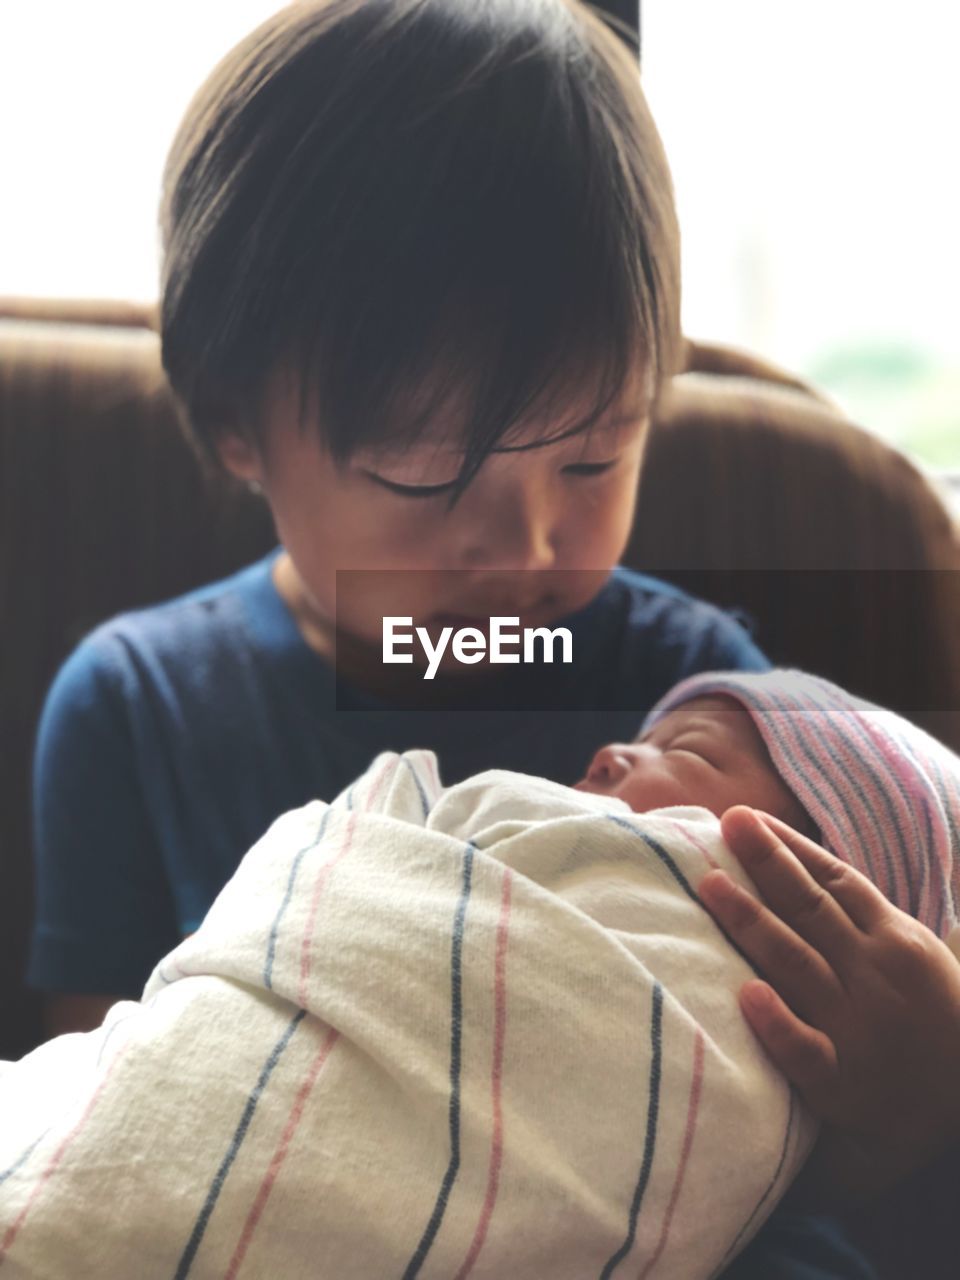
609 765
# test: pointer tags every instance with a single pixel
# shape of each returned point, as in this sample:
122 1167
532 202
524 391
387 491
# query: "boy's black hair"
415 205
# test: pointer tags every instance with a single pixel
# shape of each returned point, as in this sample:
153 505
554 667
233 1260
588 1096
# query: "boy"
420 286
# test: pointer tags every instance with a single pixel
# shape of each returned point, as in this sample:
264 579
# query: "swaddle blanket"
480 1031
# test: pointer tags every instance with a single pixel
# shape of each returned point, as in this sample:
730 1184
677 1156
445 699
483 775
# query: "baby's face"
706 752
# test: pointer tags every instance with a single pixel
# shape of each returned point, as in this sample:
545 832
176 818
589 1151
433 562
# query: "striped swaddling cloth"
481 1031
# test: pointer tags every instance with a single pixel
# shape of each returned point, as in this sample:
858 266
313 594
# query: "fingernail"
717 884
755 994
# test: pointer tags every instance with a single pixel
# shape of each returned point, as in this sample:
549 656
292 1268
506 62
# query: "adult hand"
860 1010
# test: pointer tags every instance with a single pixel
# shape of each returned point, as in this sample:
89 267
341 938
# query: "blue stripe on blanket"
23 1157
650 1141
281 911
416 777
456 1024
770 1185
681 880
193 1244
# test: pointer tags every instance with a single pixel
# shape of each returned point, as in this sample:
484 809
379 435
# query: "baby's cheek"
656 787
731 791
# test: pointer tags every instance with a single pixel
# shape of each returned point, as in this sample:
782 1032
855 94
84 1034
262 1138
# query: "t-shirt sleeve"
724 644
104 910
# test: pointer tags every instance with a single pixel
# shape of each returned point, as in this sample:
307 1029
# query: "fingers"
860 898
789 888
796 968
805 1056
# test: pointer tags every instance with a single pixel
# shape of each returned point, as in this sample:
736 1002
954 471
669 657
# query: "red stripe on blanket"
319 884
55 1159
323 874
499 1035
692 839
300 1102
283 1146
693 1107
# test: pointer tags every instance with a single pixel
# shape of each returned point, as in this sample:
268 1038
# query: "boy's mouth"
459 619
528 614
542 607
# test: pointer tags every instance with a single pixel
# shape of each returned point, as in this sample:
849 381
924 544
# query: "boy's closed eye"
411 490
590 468
575 469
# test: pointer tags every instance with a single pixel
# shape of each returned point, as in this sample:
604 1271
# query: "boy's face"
566 506
705 752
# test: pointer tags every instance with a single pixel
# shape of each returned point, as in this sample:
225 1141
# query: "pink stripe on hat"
883 793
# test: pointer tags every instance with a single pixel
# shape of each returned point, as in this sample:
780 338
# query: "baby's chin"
794 816
640 804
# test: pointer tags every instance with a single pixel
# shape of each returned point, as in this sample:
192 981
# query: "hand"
861 1010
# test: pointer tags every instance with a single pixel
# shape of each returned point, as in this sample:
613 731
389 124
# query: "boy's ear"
239 456
219 421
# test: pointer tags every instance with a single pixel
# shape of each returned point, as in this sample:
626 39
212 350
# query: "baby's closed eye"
693 746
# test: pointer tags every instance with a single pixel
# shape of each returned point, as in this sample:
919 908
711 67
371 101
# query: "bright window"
812 147
90 96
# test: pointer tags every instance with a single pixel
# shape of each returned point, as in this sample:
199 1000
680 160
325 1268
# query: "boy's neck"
317 629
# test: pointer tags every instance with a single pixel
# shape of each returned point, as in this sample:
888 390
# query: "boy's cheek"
598 537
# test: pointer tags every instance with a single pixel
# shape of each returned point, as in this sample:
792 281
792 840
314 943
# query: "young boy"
420 286
441 1031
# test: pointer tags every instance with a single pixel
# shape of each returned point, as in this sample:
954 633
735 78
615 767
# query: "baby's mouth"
586 785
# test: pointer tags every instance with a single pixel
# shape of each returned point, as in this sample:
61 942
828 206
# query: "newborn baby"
705 751
485 1030
874 789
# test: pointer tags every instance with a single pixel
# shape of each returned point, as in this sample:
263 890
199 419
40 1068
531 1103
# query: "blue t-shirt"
173 736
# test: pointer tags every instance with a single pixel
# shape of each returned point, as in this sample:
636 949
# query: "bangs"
441 222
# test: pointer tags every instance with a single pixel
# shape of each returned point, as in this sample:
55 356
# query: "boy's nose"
515 536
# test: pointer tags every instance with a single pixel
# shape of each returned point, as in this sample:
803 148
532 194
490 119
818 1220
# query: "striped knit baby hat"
884 794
